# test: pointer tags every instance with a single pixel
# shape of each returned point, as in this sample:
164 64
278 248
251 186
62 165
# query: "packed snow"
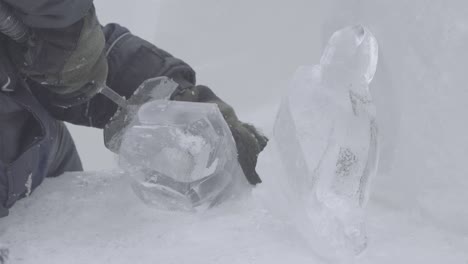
247 52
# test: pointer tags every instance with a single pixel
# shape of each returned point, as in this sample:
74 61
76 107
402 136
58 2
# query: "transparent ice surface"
159 88
325 142
181 155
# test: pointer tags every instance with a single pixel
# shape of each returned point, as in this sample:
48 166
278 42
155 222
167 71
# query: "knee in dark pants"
65 156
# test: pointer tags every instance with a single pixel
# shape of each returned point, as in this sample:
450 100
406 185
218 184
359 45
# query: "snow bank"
96 218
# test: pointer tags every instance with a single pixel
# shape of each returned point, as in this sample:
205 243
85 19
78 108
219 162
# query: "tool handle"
113 96
11 25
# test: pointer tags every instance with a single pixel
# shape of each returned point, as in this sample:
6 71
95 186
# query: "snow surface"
96 218
247 52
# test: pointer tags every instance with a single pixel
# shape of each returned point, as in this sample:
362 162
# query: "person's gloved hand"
249 141
70 62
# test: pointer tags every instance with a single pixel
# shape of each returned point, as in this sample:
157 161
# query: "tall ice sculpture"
325 141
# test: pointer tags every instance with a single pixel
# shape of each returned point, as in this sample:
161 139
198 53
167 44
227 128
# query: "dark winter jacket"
43 150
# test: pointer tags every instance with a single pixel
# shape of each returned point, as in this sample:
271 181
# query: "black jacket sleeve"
131 61
50 13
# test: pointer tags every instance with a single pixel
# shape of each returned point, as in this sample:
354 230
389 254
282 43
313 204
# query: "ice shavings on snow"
28 185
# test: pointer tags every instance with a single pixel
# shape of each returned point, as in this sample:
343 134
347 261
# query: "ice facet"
351 53
325 137
159 88
181 155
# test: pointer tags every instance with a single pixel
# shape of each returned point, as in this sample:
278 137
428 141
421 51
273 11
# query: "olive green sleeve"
68 62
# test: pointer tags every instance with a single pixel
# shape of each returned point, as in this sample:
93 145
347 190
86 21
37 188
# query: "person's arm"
131 61
72 56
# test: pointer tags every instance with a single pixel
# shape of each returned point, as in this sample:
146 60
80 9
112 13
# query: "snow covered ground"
96 218
247 51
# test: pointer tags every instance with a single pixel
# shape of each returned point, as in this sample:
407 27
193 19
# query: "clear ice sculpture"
326 140
180 155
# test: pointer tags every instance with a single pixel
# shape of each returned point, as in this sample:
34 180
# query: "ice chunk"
159 88
181 155
325 141
351 53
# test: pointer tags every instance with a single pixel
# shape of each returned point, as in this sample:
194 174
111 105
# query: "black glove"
249 141
70 62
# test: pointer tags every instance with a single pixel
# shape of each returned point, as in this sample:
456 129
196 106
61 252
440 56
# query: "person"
53 78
